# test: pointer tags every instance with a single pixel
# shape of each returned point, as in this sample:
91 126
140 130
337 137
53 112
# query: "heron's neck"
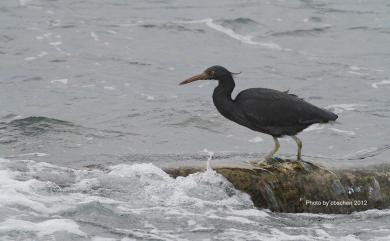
224 89
222 97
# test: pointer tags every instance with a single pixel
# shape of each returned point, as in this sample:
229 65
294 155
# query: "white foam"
317 215
30 58
144 169
372 213
350 237
109 87
94 36
38 154
328 225
56 43
314 127
384 238
24 2
40 55
340 108
149 234
111 31
284 236
28 194
128 239
349 133
148 97
250 213
97 238
238 219
246 39
357 73
200 190
256 139
62 81
365 151
237 234
87 86
383 82
20 193
355 67
41 228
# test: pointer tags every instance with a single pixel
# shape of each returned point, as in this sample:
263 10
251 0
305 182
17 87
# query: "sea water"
91 111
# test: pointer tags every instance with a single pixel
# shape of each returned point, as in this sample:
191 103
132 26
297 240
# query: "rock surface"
291 186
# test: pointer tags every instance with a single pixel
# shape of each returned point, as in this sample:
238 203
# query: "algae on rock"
293 186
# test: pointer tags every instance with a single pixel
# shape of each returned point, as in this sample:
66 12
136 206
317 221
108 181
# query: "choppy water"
96 82
42 201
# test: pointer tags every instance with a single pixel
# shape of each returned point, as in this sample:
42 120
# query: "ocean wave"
314 127
5 38
368 28
340 108
367 152
243 21
241 24
169 27
16 128
344 132
32 120
123 193
35 125
246 39
201 123
323 8
377 84
344 11
41 229
303 32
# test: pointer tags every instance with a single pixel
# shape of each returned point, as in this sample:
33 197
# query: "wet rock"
291 186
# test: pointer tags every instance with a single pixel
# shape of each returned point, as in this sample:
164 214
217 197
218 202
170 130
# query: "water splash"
208 163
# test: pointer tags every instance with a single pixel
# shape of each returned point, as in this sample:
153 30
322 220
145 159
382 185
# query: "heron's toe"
264 160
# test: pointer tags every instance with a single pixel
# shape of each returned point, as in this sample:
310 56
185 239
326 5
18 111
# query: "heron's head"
215 73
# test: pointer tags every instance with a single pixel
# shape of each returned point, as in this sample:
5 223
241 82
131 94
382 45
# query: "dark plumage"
268 111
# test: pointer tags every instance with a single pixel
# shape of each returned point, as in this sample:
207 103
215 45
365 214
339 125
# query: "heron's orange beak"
202 76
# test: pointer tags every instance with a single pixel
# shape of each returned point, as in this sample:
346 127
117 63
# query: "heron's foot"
299 159
261 161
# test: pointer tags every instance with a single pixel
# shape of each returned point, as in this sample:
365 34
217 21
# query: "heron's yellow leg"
272 153
299 144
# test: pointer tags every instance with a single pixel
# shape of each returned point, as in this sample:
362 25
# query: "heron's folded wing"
273 108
